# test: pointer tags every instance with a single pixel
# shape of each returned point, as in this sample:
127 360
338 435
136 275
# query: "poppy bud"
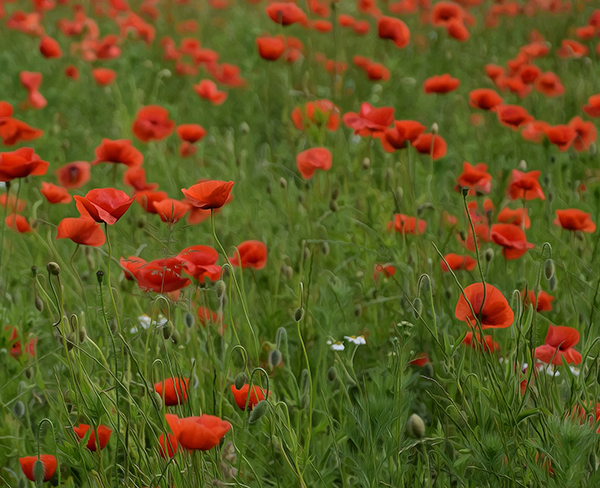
366 163
332 374
333 206
360 275
100 276
465 191
220 288
522 165
299 314
398 195
389 173
70 340
448 293
305 400
552 283
176 337
240 380
114 326
39 303
167 330
358 310
244 128
283 182
417 307
28 373
435 128
416 426
281 337
34 271
287 271
325 249
593 149
306 254
19 409
258 411
189 320
275 358
549 268
38 472
488 255
53 268
552 159
463 235
428 370
82 334
335 193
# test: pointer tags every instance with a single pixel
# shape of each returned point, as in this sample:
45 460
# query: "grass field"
315 244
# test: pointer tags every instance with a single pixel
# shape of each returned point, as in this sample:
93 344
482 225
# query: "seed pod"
19 409
167 331
488 254
220 288
39 303
332 374
416 426
100 276
428 370
82 334
299 314
325 248
552 283
189 320
275 358
464 191
258 411
417 307
549 268
240 380
333 206
53 268
306 254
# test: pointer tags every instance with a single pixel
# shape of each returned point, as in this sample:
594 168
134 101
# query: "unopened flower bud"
417 307
258 411
366 163
283 182
100 276
522 165
275 358
333 206
287 271
435 128
39 303
167 330
325 248
39 472
553 283
244 128
34 271
335 193
358 310
549 268
189 320
299 314
416 426
53 268
220 288
19 409
332 374
82 334
240 380
70 340
488 254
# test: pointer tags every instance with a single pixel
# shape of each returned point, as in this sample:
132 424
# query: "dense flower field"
319 243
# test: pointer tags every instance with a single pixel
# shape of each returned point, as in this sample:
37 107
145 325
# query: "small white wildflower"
575 370
357 340
336 346
145 321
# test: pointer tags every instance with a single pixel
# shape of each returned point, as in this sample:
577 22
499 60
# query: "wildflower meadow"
305 243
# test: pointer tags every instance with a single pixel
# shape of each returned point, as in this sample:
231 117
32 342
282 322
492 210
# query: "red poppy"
250 254
72 72
168 448
559 345
320 113
161 275
512 239
118 151
488 344
543 302
148 198
206 315
476 178
387 271
420 360
377 72
74 175
430 144
575 220
370 121
403 131
104 76
514 216
407 225
484 98
104 205
208 90
244 395
13 130
171 210
562 136
82 230
131 266
528 73
270 48
209 194
586 32
482 231
55 194
441 84
495 313
443 13
513 116
152 123
32 82
103 435
549 85
48 461
135 177
18 223
572 49
174 391
200 262
585 133
20 164
311 160
525 186
535 131
593 106
517 86
458 30
457 262
286 13
202 433
191 133
394 29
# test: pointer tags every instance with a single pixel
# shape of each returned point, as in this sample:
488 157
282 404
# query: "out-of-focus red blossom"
246 395
104 76
322 113
104 205
32 81
171 210
475 178
147 199
562 136
535 131
393 29
54 193
320 25
226 74
20 164
160 276
528 73
27 23
208 90
174 391
512 239
457 262
431 144
209 194
543 302
558 345
493 313
512 116
152 123
487 345
50 48
420 360
74 175
484 98
72 72
592 108
168 446
11 201
385 270
118 151
482 232
311 160
201 433
585 133
207 316
525 186
575 220
82 230
200 262
441 84
135 24
103 431
18 223
17 350
403 132
135 177
13 131
48 461
549 84
270 48
445 12
370 121
514 216
572 49
407 225
286 13
191 133
250 254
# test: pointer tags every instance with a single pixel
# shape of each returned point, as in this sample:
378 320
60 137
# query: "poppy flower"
444 13
575 220
171 210
310 160
559 345
82 230
200 261
543 302
13 130
118 151
370 121
494 313
572 49
458 30
320 113
476 178
394 29
525 186
549 85
55 194
209 194
586 32
286 13
535 131
441 84
377 72
135 177
131 266
484 98
147 199
244 395
18 223
48 461
168 445
208 90
204 432
72 72
74 175
104 205
104 76
50 48
103 435
161 275
585 133
562 136
514 216
402 132
513 116
226 74
474 340
420 360
270 48
250 254
206 315
593 106
482 231
407 225
457 262
386 271
191 133
516 85
512 239
32 81
152 123
528 73
20 164
174 391
430 144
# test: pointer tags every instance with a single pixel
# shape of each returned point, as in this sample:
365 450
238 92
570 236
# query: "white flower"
145 322
359 341
574 370
336 346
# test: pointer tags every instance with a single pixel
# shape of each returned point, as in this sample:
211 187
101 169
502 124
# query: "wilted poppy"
525 186
104 205
209 194
575 220
407 225
311 160
201 433
493 313
74 175
559 345
118 151
48 461
512 239
82 230
250 254
441 84
54 193
457 262
103 435
174 391
244 394
20 164
152 123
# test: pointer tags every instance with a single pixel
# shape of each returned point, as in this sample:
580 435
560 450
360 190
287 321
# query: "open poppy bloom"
168 445
74 175
104 205
558 345
104 76
244 395
32 83
407 225
311 160
476 178
208 90
152 124
441 84
286 13
562 136
514 216
575 220
200 262
135 177
394 29
209 194
170 210
270 48
512 239
147 199
50 48
201 433
118 151
543 301
18 223
54 193
474 340
320 113
549 85
189 134
48 461
431 144
82 230
525 186
250 254
585 133
386 270
512 116
402 133
174 391
494 313
592 108
20 164
484 98
103 435
370 121
161 275
12 130
457 262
